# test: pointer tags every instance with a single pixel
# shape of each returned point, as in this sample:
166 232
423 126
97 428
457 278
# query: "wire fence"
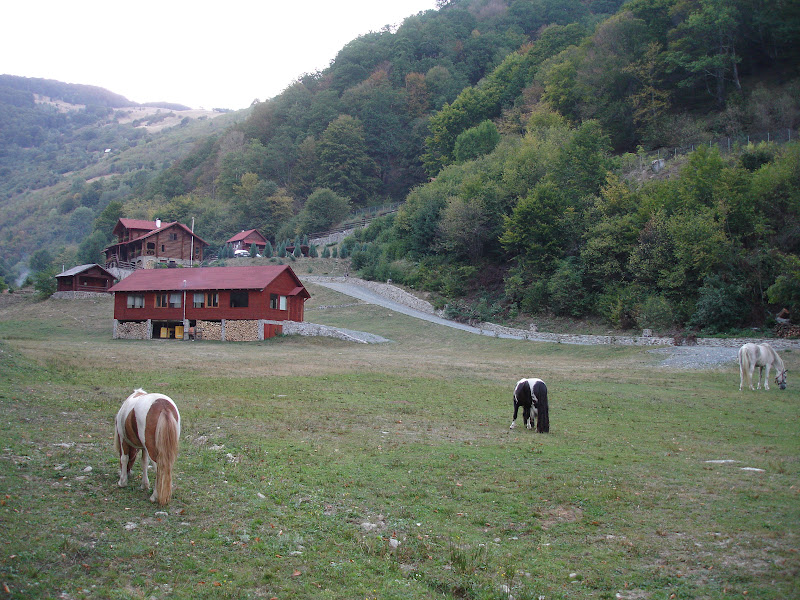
656 159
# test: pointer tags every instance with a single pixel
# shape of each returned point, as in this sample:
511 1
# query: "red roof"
137 224
243 235
203 278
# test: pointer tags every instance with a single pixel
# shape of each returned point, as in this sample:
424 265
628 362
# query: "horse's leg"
526 416
123 466
741 374
516 408
766 377
145 463
750 372
154 495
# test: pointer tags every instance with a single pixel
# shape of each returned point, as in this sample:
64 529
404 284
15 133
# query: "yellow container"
179 332
164 333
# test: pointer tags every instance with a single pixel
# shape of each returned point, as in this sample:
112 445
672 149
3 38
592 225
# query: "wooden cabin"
245 240
83 280
143 244
224 303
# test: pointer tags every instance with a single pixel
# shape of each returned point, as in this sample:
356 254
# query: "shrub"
656 312
720 306
566 293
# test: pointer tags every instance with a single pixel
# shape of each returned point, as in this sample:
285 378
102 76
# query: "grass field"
316 468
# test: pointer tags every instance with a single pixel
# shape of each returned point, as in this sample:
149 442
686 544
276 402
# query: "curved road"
367 295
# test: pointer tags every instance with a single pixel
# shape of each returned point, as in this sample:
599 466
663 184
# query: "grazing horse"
531 395
150 423
761 356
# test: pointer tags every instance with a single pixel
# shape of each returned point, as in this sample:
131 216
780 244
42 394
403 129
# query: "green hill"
518 136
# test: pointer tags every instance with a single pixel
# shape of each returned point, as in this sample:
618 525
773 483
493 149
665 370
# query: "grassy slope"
291 445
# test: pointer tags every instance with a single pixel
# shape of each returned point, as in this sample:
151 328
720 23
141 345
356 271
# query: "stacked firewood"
787 330
132 331
210 330
241 331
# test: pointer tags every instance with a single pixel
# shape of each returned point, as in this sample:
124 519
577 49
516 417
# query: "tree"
44 282
41 260
476 141
704 46
345 166
785 292
465 230
323 209
91 248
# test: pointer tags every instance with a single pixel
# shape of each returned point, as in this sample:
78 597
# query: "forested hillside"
516 133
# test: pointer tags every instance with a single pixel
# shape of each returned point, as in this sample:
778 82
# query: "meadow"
317 468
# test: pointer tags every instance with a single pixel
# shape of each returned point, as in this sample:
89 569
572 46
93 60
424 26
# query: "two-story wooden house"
142 244
223 303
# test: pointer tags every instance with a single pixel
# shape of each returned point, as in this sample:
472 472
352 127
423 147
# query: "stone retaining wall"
77 295
313 329
631 340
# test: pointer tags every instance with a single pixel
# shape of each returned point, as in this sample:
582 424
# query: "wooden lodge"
245 240
141 244
222 303
82 281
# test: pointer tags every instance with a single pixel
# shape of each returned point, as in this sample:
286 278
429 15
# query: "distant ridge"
74 93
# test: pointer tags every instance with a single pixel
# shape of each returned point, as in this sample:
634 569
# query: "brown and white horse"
150 423
761 356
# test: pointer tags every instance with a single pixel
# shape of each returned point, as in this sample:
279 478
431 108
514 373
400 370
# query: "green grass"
302 459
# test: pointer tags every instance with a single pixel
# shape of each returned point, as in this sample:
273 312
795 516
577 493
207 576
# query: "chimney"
158 223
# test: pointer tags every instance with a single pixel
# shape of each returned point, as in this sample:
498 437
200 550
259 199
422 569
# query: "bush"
656 312
566 293
620 306
44 282
720 306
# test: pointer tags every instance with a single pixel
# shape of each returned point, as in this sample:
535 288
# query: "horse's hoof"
121 483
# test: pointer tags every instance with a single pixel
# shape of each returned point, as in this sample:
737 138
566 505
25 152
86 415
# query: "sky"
201 54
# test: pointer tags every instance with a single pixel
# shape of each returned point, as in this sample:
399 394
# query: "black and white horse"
531 395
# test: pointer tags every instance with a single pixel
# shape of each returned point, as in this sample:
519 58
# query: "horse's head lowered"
780 379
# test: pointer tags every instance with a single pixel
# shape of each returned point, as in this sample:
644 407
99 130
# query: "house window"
277 302
199 300
173 237
212 299
172 300
135 300
239 299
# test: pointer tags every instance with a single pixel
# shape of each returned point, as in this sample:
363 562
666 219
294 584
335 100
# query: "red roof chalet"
250 301
141 243
244 240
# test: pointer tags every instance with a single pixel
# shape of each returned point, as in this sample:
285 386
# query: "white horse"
150 423
761 356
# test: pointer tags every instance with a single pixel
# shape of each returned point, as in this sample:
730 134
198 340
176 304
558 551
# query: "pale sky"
201 54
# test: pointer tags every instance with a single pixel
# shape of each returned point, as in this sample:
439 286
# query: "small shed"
84 279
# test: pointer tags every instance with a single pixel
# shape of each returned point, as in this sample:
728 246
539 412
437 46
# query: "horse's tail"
117 447
167 445
543 422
